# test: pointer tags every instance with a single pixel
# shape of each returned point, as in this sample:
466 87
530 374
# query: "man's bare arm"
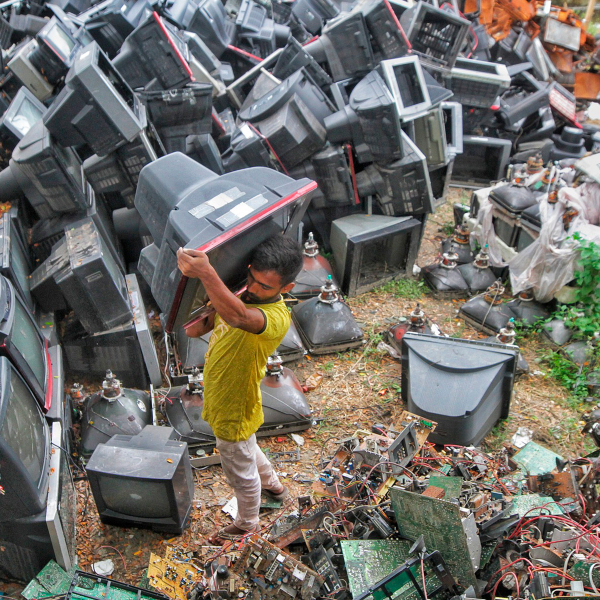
202 327
194 263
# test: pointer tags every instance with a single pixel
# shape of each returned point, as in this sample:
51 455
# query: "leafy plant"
584 317
448 228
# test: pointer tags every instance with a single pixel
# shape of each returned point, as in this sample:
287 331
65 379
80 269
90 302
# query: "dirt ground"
358 389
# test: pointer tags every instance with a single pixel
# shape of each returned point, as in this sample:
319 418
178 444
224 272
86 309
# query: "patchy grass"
408 288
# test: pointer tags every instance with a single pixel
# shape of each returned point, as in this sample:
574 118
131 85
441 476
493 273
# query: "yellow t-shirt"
234 367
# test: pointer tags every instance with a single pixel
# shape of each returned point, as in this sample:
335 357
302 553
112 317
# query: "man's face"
263 287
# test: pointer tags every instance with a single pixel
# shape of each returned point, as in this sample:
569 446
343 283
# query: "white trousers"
248 471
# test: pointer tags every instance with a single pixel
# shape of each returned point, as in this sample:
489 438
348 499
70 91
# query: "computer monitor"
96 107
143 480
405 79
370 250
23 112
34 457
55 52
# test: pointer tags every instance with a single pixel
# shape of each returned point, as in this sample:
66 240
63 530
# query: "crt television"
226 216
96 107
22 342
23 112
14 258
38 506
370 250
143 480
50 176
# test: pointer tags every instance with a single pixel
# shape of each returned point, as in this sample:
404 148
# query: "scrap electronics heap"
131 128
392 517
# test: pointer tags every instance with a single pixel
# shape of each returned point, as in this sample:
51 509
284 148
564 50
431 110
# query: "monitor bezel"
406 112
42 393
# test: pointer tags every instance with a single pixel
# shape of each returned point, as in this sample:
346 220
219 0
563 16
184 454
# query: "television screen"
26 116
23 343
14 261
24 447
129 499
60 41
26 339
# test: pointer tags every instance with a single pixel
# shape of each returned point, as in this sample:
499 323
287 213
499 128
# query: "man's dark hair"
280 254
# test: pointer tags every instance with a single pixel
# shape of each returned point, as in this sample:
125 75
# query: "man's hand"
192 263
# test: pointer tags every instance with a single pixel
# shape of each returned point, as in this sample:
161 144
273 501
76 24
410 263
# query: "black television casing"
151 457
464 386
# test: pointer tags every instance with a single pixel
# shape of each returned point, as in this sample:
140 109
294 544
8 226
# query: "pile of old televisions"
347 120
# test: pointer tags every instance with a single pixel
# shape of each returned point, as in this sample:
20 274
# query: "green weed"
408 288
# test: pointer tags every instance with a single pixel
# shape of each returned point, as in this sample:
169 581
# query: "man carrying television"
246 331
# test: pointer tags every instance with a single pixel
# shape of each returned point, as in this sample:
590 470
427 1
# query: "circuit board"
423 427
440 523
369 561
174 575
50 581
276 573
581 572
534 459
451 485
531 505
86 586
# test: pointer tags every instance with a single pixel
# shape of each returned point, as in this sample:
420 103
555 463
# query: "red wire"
353 174
501 578
395 18
244 53
266 141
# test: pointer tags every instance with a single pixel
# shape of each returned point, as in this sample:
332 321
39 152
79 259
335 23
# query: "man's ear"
288 288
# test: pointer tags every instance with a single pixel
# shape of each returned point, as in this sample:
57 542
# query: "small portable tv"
143 480
23 112
55 52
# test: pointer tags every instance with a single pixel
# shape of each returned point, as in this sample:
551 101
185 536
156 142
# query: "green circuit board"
52 580
369 561
440 523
